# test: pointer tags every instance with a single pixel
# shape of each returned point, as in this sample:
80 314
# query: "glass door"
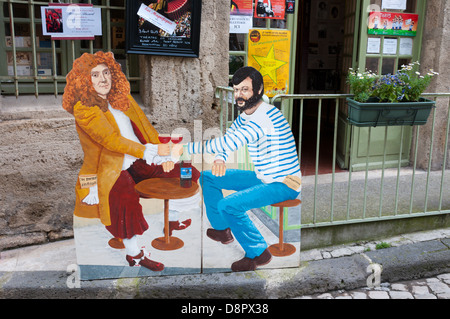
390 36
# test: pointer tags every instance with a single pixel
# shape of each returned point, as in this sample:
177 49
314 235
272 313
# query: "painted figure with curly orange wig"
121 148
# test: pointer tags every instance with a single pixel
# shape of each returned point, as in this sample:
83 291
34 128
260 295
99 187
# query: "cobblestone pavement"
333 272
428 288
437 287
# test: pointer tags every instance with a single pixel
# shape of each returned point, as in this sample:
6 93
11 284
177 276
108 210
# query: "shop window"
35 61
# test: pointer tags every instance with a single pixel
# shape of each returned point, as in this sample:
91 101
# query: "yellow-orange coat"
104 149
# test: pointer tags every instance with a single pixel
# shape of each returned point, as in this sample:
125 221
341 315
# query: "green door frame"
370 147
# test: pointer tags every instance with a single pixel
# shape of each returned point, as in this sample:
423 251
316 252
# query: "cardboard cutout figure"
131 190
121 149
261 128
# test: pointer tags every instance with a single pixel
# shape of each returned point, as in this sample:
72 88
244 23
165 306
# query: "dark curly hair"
79 85
257 79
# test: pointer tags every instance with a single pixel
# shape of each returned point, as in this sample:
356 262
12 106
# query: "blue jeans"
231 211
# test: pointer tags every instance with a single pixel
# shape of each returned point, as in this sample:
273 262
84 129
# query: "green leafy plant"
383 245
405 86
361 84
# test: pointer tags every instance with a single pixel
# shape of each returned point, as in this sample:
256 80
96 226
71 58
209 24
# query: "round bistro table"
165 188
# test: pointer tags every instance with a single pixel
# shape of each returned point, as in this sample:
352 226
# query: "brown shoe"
177 225
224 236
142 260
248 264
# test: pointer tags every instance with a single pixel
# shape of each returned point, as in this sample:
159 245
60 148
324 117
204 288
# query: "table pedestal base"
116 243
172 244
282 250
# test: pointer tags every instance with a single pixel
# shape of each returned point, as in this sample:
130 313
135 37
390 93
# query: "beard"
248 104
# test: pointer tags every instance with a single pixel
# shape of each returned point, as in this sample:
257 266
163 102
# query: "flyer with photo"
270 9
74 22
241 16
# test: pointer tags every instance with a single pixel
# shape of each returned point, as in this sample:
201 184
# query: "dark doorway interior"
318 71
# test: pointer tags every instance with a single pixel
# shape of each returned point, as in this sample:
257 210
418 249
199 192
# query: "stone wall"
434 55
40 154
181 90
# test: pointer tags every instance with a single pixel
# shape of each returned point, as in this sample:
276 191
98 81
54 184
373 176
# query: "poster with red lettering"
241 16
241 7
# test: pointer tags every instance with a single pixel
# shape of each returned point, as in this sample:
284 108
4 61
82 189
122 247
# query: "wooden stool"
283 249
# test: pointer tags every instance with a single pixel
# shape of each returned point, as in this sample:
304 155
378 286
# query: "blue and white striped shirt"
271 144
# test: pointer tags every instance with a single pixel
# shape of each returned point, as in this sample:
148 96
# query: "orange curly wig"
79 86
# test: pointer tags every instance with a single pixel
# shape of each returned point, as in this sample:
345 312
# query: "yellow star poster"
269 52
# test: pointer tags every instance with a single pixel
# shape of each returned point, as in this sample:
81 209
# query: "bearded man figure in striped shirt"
277 177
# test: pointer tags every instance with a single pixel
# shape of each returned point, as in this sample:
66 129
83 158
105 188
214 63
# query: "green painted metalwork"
362 217
358 140
63 52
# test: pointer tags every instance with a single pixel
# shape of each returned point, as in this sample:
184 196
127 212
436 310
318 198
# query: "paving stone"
425 296
439 287
359 295
341 252
420 290
357 249
420 283
344 297
326 255
378 295
399 287
313 254
444 277
401 295
325 296
444 295
432 280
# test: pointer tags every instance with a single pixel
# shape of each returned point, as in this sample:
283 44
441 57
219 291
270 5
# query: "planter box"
374 114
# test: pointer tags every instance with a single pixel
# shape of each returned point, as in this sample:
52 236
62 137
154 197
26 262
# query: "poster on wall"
269 53
290 6
71 22
163 27
390 23
241 16
270 9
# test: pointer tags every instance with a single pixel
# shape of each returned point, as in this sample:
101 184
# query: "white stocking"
173 215
183 205
131 246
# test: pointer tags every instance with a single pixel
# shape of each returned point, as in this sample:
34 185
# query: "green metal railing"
406 192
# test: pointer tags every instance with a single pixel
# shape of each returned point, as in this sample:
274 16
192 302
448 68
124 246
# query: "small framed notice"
373 45
390 46
393 4
406 46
